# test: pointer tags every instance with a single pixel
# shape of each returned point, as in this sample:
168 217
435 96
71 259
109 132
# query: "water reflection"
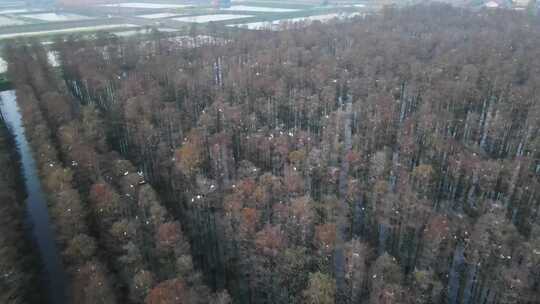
37 215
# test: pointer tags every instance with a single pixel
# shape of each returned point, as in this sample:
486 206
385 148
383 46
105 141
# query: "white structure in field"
492 4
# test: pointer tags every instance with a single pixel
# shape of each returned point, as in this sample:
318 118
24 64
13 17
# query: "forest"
392 158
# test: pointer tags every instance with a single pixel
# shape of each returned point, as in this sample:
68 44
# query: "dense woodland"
388 159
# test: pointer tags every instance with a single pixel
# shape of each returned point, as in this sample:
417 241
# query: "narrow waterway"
37 216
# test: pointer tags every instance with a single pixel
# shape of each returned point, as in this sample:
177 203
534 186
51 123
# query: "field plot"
68 30
159 15
209 18
262 9
147 5
52 17
6 21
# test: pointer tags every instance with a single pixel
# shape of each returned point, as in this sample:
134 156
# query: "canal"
37 215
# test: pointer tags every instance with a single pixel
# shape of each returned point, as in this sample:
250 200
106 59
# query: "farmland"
19 20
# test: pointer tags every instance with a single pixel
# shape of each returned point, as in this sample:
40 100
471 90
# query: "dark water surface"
37 216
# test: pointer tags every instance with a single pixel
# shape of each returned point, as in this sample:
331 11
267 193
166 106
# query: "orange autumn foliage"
270 240
249 220
190 155
168 235
325 236
168 292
